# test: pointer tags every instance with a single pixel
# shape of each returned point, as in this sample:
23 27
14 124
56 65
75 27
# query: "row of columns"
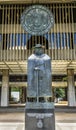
5 88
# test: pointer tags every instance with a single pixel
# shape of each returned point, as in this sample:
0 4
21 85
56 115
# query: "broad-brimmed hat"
38 46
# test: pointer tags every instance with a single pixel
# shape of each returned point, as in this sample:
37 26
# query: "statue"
39 74
37 20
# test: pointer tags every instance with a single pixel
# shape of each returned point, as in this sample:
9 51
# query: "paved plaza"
16 121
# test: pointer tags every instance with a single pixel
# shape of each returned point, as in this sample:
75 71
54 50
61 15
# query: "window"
0 16
74 15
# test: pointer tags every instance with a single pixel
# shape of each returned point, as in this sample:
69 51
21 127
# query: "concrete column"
0 96
71 87
5 89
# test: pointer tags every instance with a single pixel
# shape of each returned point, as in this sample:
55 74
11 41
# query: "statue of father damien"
39 74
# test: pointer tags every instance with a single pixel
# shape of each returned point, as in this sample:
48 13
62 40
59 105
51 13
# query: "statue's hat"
38 46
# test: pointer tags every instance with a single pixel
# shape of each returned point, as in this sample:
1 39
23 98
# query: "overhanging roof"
59 67
34 1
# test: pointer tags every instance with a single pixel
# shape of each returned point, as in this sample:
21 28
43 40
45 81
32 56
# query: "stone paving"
15 121
65 121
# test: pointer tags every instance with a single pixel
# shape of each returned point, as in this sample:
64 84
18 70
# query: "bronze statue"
39 74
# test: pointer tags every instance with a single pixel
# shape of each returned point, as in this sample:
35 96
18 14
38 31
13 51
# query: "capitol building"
16 45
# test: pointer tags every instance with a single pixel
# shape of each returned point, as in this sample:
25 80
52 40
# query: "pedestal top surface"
33 105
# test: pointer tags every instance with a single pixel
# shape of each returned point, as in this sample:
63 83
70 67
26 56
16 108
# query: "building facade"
16 46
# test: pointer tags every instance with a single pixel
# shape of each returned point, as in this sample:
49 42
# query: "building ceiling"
59 67
20 68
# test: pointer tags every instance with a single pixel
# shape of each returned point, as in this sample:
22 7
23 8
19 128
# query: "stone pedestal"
5 89
39 116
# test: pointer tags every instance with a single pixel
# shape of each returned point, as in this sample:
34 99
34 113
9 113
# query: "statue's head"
38 49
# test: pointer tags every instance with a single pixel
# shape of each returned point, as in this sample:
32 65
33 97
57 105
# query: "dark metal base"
39 118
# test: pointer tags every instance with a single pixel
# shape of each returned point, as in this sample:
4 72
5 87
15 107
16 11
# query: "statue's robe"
39 76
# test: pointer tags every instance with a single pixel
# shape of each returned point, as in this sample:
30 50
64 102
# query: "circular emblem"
40 124
37 20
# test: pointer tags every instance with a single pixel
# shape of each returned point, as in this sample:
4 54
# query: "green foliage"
16 89
59 92
64 79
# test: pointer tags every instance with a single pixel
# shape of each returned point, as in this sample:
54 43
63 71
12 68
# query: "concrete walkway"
12 121
16 121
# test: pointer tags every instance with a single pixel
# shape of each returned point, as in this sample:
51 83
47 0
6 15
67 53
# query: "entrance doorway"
17 95
60 96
